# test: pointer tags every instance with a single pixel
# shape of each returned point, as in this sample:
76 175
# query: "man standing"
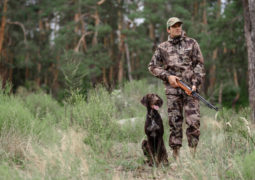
180 58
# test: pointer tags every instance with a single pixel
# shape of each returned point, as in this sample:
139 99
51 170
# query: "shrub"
14 114
43 105
243 167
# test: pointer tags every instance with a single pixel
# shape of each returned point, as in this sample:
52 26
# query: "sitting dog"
154 147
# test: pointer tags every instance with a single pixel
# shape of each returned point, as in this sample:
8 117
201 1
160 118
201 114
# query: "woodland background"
73 73
63 45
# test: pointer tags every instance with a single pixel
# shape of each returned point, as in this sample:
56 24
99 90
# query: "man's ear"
168 30
144 101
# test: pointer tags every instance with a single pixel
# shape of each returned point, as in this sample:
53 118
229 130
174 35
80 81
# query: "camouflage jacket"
181 57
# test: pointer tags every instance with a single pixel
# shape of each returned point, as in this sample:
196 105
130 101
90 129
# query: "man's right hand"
172 81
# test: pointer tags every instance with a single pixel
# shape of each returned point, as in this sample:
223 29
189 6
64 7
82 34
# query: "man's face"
175 30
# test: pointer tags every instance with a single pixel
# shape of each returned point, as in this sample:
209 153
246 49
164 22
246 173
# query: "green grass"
83 139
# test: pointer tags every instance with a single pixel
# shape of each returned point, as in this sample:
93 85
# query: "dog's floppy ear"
144 100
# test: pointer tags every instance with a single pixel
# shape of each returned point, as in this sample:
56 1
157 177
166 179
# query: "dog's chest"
152 125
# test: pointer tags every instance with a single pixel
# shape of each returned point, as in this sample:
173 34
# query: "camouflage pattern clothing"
180 57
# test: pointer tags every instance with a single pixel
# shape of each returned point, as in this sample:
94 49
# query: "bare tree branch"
22 27
100 2
76 49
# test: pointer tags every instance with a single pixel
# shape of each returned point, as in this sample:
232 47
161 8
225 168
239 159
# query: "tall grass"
99 137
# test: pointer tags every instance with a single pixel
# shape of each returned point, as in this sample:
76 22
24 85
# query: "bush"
14 114
8 172
248 166
127 99
25 117
243 167
43 105
96 116
237 128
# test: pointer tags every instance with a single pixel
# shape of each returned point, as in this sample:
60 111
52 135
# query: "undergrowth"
99 137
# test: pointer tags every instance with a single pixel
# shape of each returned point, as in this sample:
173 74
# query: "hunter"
180 58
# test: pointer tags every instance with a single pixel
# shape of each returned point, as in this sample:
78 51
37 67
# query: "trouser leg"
192 116
175 105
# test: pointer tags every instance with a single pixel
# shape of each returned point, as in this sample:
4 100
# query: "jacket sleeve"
156 66
198 66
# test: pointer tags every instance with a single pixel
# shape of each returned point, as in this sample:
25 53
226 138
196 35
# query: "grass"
99 137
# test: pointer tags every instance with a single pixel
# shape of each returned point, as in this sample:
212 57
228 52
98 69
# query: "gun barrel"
189 91
204 101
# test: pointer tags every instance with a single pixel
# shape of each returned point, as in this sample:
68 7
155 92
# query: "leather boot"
176 153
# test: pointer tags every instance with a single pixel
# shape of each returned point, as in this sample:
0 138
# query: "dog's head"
152 101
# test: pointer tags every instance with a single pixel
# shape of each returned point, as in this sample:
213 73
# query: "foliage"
65 48
90 135
243 167
77 45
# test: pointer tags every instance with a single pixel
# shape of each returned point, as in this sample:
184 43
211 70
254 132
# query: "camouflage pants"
176 105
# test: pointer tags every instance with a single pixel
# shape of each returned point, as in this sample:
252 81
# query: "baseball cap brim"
172 21
179 21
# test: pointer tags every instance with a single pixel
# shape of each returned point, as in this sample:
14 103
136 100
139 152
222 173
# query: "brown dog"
154 147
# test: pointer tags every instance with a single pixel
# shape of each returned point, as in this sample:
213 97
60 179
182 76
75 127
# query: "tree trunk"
111 74
121 43
237 85
97 21
112 57
195 11
220 94
83 29
212 75
10 75
4 69
120 72
2 29
219 8
39 65
76 20
38 79
27 69
152 31
104 77
212 71
128 63
249 29
204 13
55 71
3 20
80 29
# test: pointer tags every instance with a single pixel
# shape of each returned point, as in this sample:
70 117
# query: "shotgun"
189 92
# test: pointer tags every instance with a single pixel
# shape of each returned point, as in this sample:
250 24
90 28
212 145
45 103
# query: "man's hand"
172 81
194 88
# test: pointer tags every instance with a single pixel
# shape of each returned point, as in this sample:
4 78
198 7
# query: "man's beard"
176 39
179 35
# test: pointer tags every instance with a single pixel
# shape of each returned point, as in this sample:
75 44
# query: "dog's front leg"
158 152
152 157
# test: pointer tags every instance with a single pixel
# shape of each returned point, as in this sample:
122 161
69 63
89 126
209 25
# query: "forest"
70 70
77 44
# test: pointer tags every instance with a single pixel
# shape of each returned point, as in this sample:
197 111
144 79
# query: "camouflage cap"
173 20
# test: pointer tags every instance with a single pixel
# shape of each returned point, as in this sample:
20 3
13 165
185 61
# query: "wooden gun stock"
184 87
